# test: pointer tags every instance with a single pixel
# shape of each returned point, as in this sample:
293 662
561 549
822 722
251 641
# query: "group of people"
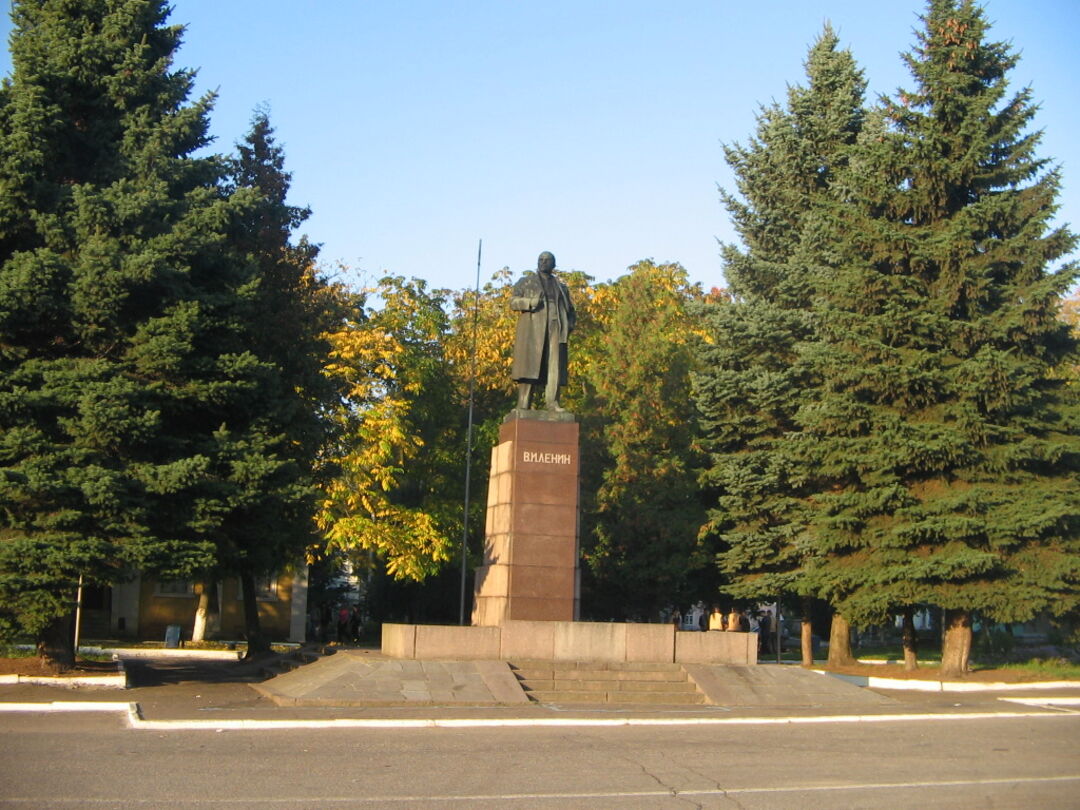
731 620
342 623
698 618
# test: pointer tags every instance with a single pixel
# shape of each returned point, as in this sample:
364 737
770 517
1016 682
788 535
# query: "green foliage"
640 528
388 492
271 442
154 366
406 367
883 403
110 241
950 442
753 377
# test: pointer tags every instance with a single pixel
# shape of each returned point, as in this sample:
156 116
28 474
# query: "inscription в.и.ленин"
537 457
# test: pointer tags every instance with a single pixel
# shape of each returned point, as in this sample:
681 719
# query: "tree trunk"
840 642
806 634
257 643
956 643
911 640
215 611
202 611
56 645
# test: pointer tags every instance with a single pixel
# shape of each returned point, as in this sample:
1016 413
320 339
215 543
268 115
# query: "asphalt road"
94 761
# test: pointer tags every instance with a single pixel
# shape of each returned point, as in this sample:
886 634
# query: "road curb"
875 682
70 706
117 681
134 719
194 655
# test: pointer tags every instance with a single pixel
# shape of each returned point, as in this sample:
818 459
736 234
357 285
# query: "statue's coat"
527 298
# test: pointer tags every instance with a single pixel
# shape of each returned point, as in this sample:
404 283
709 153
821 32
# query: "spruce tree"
121 339
752 380
272 436
950 444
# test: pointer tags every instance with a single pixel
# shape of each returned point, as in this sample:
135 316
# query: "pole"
78 612
778 631
468 436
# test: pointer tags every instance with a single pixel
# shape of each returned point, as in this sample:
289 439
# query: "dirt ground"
32 667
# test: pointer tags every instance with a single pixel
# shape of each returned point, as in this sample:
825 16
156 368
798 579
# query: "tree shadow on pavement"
143 672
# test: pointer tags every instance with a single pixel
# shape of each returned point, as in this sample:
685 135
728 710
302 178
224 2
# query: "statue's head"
546 263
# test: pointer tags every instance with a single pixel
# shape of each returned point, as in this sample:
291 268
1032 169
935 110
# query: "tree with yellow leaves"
388 362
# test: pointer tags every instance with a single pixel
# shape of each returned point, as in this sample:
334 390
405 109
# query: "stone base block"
650 642
590 641
456 643
399 640
716 646
528 640
546 640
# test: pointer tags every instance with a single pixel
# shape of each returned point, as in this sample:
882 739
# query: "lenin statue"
545 321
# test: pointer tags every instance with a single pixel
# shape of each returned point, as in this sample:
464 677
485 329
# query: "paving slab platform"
348 679
333 688
357 679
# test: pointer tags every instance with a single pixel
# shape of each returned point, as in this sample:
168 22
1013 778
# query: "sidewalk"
359 686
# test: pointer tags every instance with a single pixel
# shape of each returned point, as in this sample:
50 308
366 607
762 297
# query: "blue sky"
590 128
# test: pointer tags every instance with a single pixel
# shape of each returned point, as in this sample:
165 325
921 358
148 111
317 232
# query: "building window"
266 588
175 587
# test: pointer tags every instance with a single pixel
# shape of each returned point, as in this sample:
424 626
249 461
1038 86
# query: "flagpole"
468 436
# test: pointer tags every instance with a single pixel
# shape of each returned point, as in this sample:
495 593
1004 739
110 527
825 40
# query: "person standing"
765 633
343 624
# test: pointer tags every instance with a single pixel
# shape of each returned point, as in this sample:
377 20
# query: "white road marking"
1047 701
592 795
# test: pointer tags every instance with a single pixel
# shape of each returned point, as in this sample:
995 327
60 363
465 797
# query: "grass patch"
20 651
1054 668
17 651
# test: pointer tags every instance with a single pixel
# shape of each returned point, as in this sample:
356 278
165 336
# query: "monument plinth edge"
539 415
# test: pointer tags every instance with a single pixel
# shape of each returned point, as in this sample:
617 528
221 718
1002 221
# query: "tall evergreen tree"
275 435
752 380
950 444
120 345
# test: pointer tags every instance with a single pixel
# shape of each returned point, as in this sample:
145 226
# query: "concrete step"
623 666
694 698
599 682
637 698
637 675
667 687
585 685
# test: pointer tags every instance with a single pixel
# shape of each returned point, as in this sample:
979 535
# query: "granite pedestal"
530 566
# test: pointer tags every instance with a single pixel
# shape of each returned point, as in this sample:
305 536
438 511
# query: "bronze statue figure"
545 320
